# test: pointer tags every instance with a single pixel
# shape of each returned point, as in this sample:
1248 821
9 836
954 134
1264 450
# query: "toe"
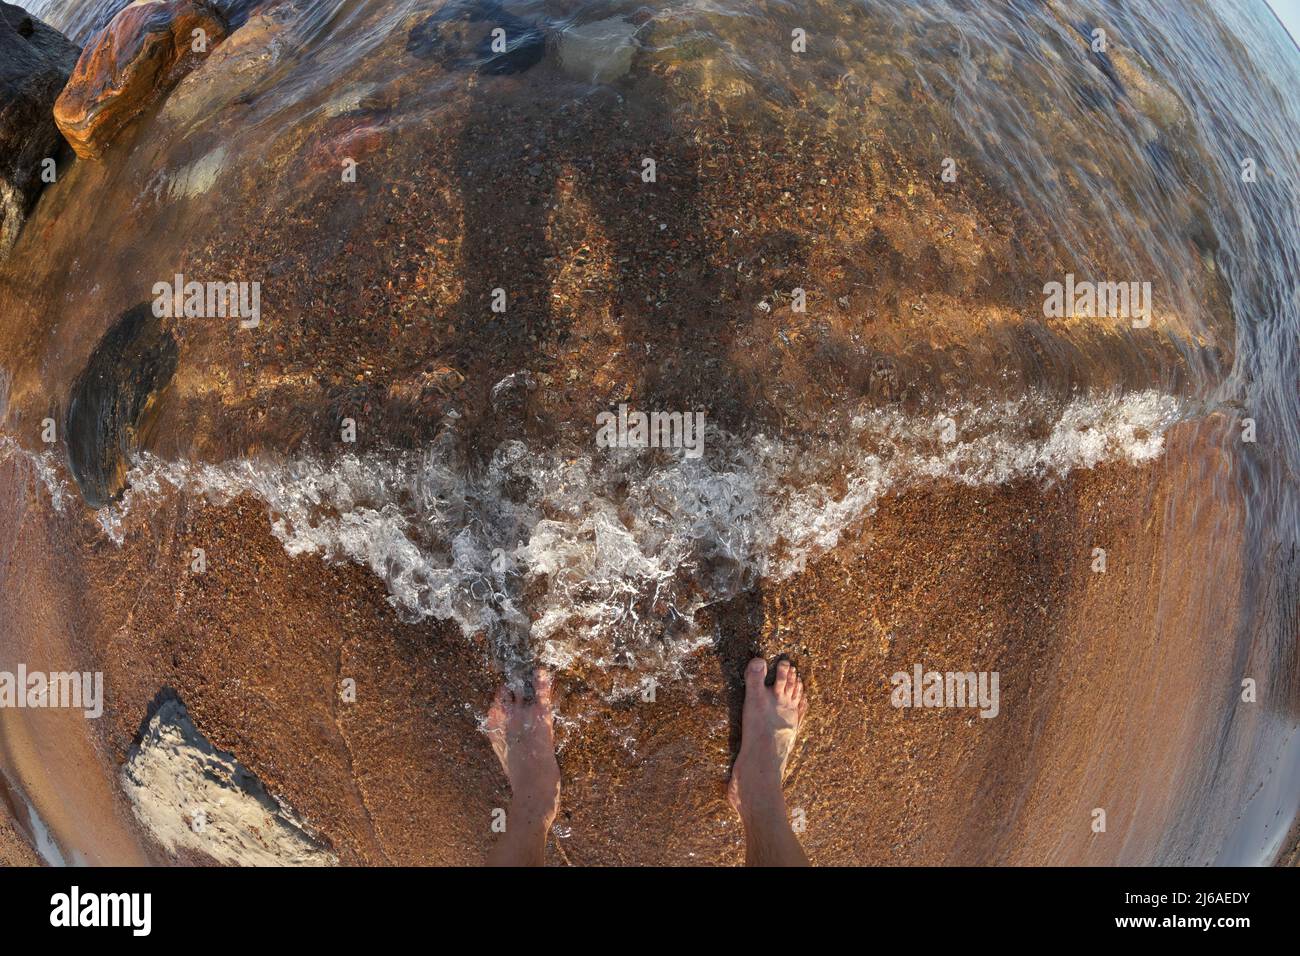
543 708
755 674
782 685
797 694
500 709
542 687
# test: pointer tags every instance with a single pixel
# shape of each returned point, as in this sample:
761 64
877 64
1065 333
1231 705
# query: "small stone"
598 52
445 379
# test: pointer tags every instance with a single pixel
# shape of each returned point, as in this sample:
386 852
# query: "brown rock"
443 380
143 52
35 61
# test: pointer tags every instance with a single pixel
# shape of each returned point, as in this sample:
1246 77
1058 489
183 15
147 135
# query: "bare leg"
522 735
769 724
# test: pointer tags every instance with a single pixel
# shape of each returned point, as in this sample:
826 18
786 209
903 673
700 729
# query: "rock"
35 61
444 380
598 52
1152 97
243 61
112 402
525 45
143 52
193 797
448 35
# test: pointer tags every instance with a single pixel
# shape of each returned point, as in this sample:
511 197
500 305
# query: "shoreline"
404 776
783 242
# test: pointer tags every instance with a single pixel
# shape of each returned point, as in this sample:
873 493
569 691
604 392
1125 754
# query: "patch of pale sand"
1143 676
199 176
48 754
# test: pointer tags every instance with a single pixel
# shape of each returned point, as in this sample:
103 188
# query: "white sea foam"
41 465
603 557
44 466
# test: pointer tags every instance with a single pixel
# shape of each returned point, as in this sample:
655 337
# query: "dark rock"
111 406
35 62
525 45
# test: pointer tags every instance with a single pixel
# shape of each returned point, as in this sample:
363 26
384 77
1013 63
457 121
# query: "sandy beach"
911 462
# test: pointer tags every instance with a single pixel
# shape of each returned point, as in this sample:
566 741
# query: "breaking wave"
574 558
42 466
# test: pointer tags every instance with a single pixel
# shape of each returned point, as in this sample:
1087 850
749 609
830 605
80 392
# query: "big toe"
755 675
499 713
542 688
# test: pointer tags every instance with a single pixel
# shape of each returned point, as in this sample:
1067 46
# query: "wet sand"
16 840
953 578
1113 684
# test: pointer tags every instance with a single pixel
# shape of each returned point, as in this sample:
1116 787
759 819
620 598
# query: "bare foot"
769 725
522 734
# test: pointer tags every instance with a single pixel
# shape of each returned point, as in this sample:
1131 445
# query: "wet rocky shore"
464 254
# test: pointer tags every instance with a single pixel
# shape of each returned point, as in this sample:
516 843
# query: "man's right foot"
769 724
522 734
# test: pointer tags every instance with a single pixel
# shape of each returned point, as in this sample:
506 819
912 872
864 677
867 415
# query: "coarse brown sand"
675 296
950 577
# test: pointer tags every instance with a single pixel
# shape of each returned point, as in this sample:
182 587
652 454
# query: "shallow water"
629 553
494 511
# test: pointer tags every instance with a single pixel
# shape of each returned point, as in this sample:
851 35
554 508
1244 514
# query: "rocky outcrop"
143 52
35 61
196 799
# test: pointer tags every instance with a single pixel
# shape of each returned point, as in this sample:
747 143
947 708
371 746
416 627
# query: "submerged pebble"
599 52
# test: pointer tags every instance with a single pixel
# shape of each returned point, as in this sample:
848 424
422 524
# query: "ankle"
532 811
758 798
763 812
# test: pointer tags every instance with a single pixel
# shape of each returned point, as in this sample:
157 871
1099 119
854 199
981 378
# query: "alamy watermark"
70 690
130 910
629 429
209 300
1115 300
936 689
